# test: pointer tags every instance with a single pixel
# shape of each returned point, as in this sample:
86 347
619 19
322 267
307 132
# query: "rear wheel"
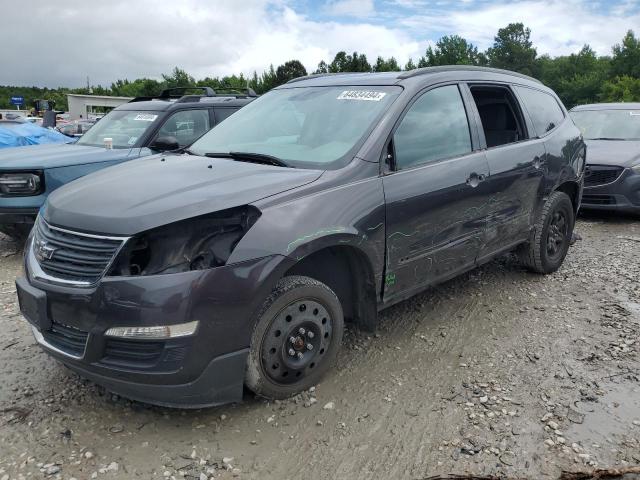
552 235
296 338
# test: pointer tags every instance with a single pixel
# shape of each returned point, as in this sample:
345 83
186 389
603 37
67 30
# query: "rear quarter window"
543 109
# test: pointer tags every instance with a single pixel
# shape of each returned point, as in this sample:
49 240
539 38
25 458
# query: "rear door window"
434 128
543 109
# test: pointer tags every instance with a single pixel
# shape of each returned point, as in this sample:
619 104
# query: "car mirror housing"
165 144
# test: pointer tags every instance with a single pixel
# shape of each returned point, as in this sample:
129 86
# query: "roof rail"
168 93
236 93
317 75
472 68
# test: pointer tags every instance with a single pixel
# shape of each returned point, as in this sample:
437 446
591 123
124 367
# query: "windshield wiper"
606 138
251 157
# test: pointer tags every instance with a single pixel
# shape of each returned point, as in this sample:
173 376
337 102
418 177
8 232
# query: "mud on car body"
329 198
141 127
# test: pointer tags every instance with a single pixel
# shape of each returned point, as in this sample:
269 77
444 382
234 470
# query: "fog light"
157 332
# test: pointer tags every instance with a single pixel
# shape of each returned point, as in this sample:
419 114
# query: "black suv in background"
612 176
144 126
178 278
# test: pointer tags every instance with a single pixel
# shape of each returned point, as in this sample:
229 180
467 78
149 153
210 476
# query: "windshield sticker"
634 114
145 117
361 95
132 140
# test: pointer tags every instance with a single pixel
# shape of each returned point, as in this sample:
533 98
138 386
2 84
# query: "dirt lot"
499 372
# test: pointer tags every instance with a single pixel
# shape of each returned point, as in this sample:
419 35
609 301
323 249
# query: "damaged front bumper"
204 368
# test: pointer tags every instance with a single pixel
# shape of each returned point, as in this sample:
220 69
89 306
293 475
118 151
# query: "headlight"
20 183
194 244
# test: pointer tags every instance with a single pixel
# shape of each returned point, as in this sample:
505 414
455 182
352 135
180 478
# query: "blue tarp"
18 135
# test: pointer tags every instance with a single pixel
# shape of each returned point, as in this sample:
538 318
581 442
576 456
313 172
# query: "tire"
296 303
551 235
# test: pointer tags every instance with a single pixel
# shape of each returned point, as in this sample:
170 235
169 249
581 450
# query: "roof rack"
178 94
233 92
473 68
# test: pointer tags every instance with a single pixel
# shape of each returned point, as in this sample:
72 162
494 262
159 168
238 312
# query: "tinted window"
435 127
186 126
222 113
544 110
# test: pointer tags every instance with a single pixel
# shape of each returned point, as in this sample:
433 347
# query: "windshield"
608 124
306 127
124 127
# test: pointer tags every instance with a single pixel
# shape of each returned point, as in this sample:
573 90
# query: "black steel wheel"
295 339
551 237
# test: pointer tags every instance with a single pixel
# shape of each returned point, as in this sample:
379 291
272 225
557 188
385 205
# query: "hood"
153 191
60 155
623 153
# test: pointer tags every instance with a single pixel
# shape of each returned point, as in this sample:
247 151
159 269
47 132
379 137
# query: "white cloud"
130 39
355 8
121 38
557 27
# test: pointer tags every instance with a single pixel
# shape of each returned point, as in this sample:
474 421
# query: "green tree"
290 70
410 65
382 65
452 50
576 78
626 56
513 50
621 89
178 78
349 63
322 67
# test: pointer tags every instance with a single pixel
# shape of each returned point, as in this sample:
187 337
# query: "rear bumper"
621 195
205 368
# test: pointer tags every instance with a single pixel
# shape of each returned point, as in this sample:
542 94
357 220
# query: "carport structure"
79 104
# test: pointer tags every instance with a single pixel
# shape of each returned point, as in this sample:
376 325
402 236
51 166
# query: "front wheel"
552 235
296 338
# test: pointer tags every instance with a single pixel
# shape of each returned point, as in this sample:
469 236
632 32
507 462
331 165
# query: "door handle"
538 163
474 179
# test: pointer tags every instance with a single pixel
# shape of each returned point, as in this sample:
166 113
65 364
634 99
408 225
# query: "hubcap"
296 341
557 235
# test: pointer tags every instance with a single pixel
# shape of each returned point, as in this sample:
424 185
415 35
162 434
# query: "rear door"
516 158
435 203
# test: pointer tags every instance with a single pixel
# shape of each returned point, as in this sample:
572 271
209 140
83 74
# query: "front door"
436 203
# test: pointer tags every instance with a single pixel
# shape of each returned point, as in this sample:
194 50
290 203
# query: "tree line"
582 77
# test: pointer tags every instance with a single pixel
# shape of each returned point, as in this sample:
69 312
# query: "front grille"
132 353
68 339
598 200
601 174
73 257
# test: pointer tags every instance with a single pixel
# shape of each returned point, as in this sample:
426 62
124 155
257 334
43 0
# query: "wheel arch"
572 189
348 271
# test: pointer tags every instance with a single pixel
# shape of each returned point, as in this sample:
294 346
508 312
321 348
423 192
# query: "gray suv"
178 278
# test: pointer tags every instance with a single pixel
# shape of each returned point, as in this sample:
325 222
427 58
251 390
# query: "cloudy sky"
61 42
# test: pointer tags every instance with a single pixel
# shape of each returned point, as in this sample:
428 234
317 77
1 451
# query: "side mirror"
165 144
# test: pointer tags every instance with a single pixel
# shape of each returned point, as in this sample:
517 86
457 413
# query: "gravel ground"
499 372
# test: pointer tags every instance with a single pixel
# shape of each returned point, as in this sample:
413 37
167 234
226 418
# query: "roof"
607 106
399 78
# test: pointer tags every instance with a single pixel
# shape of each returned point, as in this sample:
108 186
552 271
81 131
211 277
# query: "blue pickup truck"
141 127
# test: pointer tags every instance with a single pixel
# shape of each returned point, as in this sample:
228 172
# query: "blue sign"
17 100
